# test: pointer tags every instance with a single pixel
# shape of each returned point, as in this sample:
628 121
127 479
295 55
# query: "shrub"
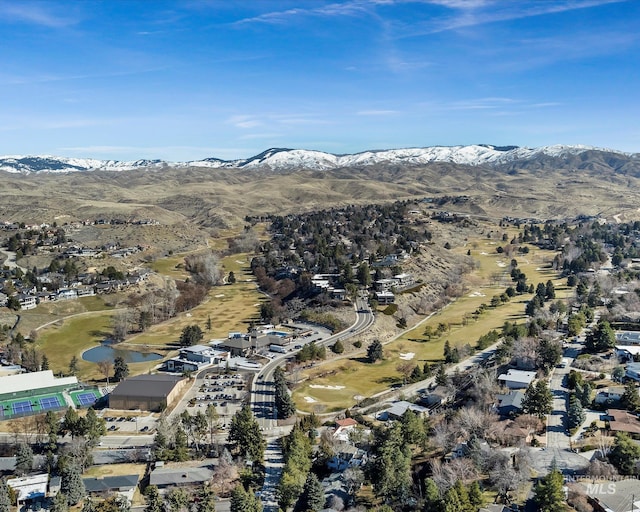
357 344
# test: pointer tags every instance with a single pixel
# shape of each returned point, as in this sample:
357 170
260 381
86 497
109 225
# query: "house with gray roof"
163 477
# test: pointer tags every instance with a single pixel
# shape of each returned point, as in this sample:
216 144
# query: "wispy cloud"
35 13
476 12
377 112
352 8
44 78
244 121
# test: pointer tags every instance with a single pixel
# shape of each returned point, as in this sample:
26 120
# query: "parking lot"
225 392
143 423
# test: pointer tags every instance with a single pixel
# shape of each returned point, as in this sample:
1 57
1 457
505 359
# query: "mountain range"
576 157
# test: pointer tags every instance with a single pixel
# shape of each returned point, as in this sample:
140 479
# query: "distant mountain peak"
281 159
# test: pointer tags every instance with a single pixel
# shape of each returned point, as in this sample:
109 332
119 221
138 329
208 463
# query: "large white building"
35 383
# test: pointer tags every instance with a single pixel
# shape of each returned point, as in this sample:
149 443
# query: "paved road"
263 405
558 451
274 464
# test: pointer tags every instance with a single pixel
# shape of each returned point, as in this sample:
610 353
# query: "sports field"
32 405
85 397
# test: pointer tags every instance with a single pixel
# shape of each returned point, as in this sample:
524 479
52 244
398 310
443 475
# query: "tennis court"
50 402
33 405
85 398
21 407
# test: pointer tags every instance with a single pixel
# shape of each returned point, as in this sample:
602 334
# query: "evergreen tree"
71 484
95 427
206 500
575 413
284 404
537 399
374 351
44 364
120 369
431 495
153 499
601 338
338 347
630 399
625 454
583 393
5 498
245 437
177 499
548 492
390 471
441 376
191 335
312 498
24 459
60 503
208 324
88 505
551 291
475 495
239 499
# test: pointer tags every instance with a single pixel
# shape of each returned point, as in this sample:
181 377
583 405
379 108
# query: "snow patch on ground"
320 386
484 253
501 263
408 356
477 294
309 400
219 295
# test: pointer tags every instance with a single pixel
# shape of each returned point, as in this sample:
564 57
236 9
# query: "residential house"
459 451
510 403
605 496
104 487
628 337
517 379
178 477
347 456
608 396
627 352
622 421
440 395
29 487
384 298
26 301
343 427
632 371
398 410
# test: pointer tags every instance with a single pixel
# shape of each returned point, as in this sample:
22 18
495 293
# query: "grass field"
50 311
354 376
230 308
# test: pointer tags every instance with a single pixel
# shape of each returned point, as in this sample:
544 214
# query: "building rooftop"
109 483
616 495
513 399
623 421
518 376
148 386
177 476
33 380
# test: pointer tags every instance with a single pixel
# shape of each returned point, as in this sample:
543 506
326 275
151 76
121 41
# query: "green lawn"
230 308
356 377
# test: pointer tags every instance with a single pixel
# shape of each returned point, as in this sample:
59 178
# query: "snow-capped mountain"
278 159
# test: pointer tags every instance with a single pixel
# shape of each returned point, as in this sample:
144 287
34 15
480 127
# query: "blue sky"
189 79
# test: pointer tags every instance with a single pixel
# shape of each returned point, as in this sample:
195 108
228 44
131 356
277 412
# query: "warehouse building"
147 392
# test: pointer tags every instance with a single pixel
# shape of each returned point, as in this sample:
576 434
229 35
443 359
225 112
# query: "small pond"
109 353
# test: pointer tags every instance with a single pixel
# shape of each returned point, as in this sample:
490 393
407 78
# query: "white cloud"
34 13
